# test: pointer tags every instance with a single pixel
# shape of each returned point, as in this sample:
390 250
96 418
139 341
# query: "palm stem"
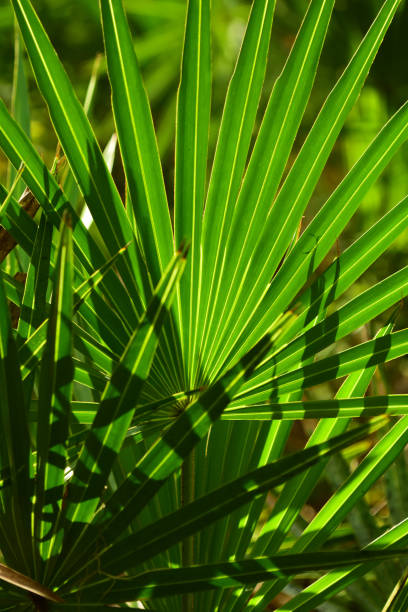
187 495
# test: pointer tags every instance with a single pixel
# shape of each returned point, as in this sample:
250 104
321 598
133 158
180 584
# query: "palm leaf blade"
119 402
56 378
137 141
78 140
162 582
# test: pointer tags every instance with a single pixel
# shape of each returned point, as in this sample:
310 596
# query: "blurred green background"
74 28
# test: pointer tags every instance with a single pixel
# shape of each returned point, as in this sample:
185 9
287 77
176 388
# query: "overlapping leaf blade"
16 222
364 355
14 451
162 582
119 402
330 221
216 504
168 452
102 357
298 187
345 269
56 376
33 310
351 316
321 590
79 144
53 201
19 98
194 516
393 405
337 507
297 490
137 142
193 118
271 151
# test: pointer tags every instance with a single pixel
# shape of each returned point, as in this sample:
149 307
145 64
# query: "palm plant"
157 365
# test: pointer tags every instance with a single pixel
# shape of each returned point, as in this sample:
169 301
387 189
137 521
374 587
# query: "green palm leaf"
164 582
78 141
30 351
13 288
281 224
345 269
55 390
119 402
193 118
14 450
331 583
234 137
119 478
351 316
19 98
285 109
325 227
17 222
393 405
137 142
357 358
33 310
53 201
194 516
372 466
